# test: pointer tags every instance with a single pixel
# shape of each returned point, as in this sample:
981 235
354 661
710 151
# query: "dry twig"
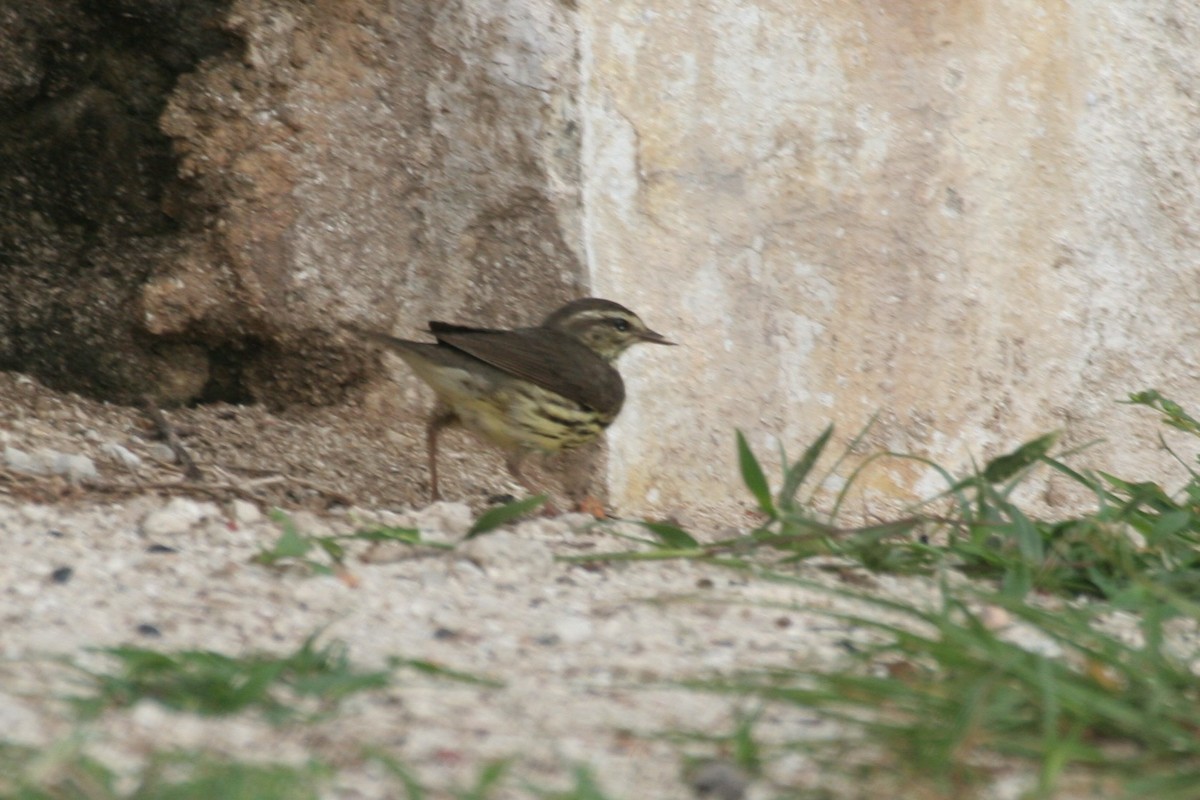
167 431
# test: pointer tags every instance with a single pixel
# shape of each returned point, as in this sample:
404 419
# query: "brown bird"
545 388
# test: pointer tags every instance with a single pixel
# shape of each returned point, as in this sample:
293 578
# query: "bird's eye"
621 324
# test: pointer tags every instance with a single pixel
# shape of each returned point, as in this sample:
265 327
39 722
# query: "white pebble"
573 629
445 521
37 514
122 455
74 468
20 461
309 524
161 452
995 618
45 461
245 512
176 517
393 520
504 551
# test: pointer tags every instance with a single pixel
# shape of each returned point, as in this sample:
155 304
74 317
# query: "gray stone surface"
971 217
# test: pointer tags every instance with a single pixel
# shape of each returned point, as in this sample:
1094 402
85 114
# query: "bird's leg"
441 418
579 469
513 462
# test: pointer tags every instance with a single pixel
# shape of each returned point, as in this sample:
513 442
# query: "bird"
544 388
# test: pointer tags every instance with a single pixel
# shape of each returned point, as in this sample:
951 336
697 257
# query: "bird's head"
606 327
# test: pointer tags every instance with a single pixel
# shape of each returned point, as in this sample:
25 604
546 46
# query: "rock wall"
84 168
384 162
977 218
312 161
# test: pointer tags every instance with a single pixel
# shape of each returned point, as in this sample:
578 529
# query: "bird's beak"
653 337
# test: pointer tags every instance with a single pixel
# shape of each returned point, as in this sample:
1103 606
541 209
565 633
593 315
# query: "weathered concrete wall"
978 217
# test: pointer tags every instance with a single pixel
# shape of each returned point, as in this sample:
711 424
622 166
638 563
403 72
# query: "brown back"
545 357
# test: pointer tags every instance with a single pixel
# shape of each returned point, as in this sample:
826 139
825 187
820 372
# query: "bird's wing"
545 357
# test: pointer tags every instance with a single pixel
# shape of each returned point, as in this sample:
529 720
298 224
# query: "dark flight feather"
545 357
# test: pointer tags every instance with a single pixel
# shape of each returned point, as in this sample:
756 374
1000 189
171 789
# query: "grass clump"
952 699
1136 535
310 682
296 549
326 555
954 703
63 772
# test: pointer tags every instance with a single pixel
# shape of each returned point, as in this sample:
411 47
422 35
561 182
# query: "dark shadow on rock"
83 171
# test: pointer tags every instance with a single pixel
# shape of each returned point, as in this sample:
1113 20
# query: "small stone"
46 461
573 629
146 629
245 512
20 461
121 455
393 520
161 452
175 517
74 468
995 618
149 715
718 780
43 459
445 521
506 551
38 515
309 524
158 549
62 574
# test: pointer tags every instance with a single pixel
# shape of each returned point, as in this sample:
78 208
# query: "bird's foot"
592 505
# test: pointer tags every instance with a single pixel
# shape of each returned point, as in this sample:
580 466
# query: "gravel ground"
105 544
584 658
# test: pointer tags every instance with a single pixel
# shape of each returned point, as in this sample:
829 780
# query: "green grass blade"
495 517
753 477
796 474
1172 412
290 544
671 536
207 778
438 671
413 790
489 777
586 788
1003 467
385 534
